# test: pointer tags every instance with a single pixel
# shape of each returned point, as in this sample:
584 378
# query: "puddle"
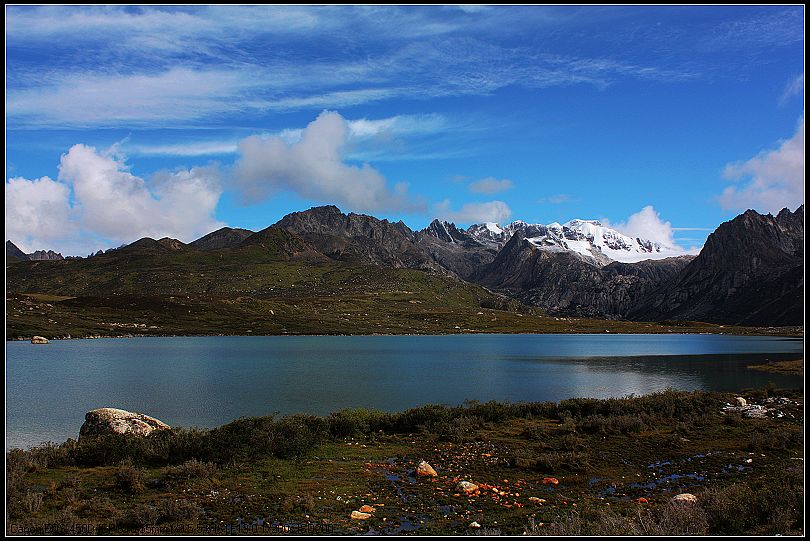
666 479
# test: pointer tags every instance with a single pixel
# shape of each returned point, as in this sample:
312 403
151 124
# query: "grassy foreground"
617 464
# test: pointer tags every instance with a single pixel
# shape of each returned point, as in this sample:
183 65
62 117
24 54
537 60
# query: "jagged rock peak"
446 231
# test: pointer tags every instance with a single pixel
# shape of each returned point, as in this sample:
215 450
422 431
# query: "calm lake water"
208 381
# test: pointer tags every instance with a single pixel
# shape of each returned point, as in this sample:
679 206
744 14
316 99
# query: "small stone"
367 509
538 501
425 470
741 402
551 481
467 487
357 515
474 525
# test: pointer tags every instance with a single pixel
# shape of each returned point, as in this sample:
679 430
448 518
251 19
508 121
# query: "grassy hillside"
273 286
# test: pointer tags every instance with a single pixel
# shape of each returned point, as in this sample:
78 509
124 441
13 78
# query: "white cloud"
470 213
490 185
37 213
314 168
647 224
775 178
118 205
109 205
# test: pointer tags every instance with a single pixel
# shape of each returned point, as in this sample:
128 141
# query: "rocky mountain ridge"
750 271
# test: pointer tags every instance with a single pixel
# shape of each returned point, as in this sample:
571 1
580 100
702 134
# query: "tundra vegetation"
579 466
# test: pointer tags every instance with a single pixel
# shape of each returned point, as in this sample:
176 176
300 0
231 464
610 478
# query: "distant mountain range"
749 272
13 251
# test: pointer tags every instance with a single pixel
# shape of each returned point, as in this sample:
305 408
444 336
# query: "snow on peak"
495 228
588 238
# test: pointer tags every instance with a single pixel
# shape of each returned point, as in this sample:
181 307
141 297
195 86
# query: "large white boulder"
116 421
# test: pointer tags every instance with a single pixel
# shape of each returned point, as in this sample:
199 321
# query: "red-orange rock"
551 481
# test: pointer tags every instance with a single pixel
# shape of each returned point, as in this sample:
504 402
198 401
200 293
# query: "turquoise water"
208 381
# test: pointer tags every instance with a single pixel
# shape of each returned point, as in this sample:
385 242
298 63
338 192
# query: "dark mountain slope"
566 282
226 237
454 249
357 238
12 251
751 271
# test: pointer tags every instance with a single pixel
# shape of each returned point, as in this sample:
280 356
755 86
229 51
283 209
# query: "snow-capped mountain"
588 238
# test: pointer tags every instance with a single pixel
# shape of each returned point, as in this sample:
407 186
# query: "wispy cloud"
556 199
794 88
382 139
84 100
153 66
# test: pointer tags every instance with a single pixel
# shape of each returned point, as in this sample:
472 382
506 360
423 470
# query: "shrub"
129 479
101 507
141 515
177 511
189 470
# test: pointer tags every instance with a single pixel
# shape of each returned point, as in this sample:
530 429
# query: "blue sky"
124 122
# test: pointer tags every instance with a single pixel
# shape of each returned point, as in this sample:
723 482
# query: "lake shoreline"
782 332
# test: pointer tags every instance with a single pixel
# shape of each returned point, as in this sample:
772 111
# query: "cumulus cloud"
314 167
771 181
470 213
647 224
490 185
37 213
97 201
